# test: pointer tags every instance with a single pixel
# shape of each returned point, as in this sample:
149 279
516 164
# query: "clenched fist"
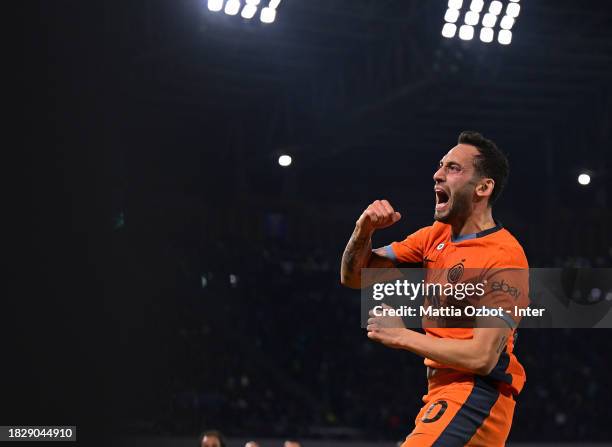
380 214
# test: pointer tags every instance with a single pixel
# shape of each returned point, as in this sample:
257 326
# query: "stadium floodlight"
504 37
472 18
506 22
584 179
449 30
284 160
496 7
466 32
451 15
232 7
483 17
513 9
249 11
489 20
215 5
268 15
486 35
476 5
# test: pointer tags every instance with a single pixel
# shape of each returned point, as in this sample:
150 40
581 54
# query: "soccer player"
472 372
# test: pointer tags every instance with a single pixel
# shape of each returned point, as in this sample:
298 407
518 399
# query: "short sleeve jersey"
494 250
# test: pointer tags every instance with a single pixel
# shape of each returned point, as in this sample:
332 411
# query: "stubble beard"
460 208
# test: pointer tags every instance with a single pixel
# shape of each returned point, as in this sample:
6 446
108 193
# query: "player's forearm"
355 257
463 354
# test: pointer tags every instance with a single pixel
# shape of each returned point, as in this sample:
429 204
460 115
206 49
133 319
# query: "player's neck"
474 223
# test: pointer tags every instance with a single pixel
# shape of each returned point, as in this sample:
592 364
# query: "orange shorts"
462 410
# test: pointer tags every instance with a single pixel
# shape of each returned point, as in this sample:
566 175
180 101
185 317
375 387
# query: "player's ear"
485 187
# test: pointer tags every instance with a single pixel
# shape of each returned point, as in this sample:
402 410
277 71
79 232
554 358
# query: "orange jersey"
493 250
460 410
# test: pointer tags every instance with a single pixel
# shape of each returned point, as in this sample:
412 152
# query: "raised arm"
358 253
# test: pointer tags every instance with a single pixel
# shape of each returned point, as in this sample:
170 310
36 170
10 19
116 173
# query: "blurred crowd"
271 346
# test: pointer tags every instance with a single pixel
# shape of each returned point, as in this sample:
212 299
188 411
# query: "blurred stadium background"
209 273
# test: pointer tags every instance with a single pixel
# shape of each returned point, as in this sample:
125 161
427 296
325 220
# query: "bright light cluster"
249 8
487 17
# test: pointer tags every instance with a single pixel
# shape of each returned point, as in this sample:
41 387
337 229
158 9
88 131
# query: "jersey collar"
498 226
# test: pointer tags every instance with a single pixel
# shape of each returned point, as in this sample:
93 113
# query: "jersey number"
440 405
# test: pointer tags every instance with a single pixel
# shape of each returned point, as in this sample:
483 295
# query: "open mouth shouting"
442 198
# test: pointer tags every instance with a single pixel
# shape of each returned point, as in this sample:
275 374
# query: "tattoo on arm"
356 254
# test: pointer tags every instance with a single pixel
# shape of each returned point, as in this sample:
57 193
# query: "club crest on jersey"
455 273
440 246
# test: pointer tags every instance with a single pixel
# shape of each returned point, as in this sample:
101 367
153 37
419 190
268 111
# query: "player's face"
454 184
211 441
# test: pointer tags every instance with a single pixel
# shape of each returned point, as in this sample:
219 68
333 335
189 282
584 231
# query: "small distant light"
268 15
489 20
477 5
233 279
504 37
119 221
466 32
449 30
596 294
609 296
506 22
249 11
215 5
232 7
495 7
285 160
514 1
513 9
584 179
274 4
455 4
472 18
204 281
486 35
451 15
560 418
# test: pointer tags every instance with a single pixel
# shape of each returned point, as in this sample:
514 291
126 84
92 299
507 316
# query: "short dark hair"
210 433
491 162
